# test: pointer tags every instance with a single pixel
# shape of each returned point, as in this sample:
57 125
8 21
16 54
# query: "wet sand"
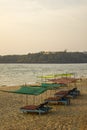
61 117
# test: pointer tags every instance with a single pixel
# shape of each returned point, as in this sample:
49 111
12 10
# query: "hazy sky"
42 25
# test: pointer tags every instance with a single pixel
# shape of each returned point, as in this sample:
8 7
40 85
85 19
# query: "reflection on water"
16 74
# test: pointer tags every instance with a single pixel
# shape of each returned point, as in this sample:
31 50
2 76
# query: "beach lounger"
42 108
65 93
73 93
58 100
61 93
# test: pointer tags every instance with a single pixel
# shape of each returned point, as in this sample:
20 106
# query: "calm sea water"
18 74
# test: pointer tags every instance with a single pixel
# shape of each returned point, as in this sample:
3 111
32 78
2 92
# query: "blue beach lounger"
58 100
73 93
42 108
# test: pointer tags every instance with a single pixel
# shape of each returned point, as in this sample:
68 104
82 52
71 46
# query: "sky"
31 26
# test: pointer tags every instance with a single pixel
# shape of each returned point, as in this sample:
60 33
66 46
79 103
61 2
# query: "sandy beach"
61 117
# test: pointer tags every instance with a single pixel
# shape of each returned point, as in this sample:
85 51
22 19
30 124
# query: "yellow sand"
73 117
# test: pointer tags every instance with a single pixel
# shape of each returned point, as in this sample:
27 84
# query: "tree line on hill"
46 57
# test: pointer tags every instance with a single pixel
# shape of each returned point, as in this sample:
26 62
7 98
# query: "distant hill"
46 57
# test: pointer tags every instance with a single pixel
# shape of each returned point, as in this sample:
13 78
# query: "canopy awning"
51 85
63 80
56 75
28 90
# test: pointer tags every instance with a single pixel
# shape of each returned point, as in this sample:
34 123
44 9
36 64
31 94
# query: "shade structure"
63 80
56 75
46 76
51 85
28 90
64 74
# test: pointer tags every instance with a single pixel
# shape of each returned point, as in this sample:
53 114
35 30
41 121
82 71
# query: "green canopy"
51 85
28 90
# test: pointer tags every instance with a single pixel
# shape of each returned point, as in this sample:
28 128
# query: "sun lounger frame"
42 108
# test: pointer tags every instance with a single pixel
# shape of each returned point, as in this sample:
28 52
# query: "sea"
19 74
